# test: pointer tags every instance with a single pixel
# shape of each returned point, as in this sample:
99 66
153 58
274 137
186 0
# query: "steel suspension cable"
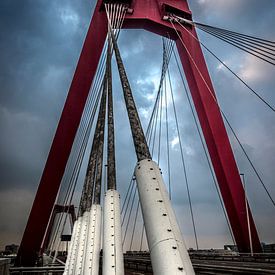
129 199
111 163
155 127
248 158
160 122
97 154
84 121
240 46
183 161
94 170
259 48
152 126
159 110
150 141
148 131
135 222
76 170
252 39
237 34
227 67
74 176
167 141
128 221
128 190
223 114
166 59
81 131
204 147
87 110
148 137
170 50
232 41
101 121
255 44
141 147
111 26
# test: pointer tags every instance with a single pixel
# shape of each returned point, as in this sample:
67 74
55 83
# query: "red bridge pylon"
148 15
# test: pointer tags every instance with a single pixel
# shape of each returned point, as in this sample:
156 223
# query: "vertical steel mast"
113 263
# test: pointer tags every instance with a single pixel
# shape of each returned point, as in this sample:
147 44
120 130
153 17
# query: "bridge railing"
259 257
45 270
4 266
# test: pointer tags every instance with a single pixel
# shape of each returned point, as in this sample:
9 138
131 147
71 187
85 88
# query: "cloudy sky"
40 42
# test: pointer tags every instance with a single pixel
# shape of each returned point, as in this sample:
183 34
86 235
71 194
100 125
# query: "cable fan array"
179 21
163 233
159 134
258 47
155 129
84 252
153 206
72 171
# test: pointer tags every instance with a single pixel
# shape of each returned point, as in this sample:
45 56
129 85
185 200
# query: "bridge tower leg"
146 15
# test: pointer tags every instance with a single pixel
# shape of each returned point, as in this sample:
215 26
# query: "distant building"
11 249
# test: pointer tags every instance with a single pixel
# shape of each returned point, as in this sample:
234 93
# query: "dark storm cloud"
249 16
40 42
39 49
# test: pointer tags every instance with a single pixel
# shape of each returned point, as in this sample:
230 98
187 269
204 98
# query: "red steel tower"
148 15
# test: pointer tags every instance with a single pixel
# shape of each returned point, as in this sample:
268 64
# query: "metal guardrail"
4 266
37 270
207 266
242 258
224 269
203 264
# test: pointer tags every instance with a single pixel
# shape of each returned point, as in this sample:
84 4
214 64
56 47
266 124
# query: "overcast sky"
40 42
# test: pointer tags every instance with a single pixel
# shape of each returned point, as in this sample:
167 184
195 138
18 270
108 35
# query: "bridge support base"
112 244
84 252
167 249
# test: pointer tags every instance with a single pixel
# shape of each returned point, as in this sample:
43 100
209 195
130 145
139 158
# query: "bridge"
106 225
203 263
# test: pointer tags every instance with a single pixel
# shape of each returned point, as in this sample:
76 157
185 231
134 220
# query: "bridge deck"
140 264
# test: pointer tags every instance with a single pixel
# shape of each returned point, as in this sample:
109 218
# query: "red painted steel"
63 140
218 144
147 15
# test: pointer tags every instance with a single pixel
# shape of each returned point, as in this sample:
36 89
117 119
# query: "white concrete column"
71 245
167 249
74 245
84 251
81 244
93 243
113 263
